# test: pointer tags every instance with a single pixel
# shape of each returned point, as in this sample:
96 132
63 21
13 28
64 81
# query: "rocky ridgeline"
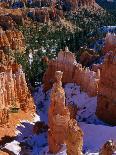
62 129
17 15
110 43
106 107
14 93
45 15
75 4
73 72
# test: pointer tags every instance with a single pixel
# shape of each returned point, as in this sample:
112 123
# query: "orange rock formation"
12 39
6 22
58 116
46 14
108 148
73 73
74 138
4 5
62 129
110 43
14 92
106 107
80 3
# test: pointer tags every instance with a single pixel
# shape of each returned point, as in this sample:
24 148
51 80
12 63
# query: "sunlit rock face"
12 39
58 116
4 5
62 129
109 148
106 105
110 43
74 138
73 72
14 92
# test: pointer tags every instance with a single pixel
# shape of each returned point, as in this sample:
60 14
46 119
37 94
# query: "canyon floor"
96 133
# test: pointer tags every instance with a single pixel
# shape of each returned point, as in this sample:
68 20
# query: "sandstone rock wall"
106 106
13 89
62 129
12 39
73 72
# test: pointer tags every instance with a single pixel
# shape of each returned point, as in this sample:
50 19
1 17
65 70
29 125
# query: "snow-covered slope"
96 135
95 131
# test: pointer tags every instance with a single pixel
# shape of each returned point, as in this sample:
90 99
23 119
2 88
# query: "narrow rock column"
58 116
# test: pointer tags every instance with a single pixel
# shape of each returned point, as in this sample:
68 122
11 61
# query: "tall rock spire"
58 116
62 129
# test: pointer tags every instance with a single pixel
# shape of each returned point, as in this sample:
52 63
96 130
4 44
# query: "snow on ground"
14 147
86 105
45 151
96 133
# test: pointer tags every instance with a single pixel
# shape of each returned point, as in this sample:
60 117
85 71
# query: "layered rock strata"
73 72
106 104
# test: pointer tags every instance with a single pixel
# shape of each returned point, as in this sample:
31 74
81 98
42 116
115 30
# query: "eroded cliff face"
106 105
73 72
6 22
45 15
12 39
110 43
14 92
75 4
62 129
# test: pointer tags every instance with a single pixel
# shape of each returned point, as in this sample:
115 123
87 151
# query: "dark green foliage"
53 38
